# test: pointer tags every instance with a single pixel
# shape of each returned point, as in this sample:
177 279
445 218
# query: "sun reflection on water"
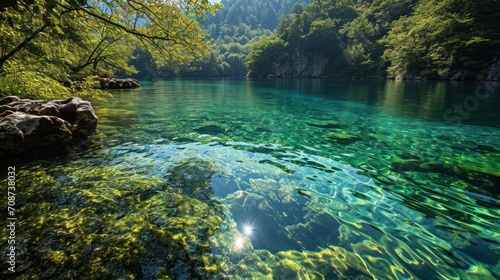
239 242
248 230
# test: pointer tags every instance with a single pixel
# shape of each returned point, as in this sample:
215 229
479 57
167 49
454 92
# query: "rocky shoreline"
29 126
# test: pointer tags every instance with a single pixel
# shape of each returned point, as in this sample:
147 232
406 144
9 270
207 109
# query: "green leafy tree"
63 42
357 57
427 43
264 54
359 37
323 37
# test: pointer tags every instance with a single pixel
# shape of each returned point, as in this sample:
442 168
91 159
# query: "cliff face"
299 64
489 72
312 65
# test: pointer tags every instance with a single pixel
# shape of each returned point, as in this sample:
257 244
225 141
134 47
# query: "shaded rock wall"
489 72
300 63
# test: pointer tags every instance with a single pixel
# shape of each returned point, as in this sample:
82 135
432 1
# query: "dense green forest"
231 31
363 38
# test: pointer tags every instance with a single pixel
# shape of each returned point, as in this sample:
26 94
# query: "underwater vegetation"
216 212
104 222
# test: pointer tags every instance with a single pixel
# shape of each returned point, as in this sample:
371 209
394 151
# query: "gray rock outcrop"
115 83
29 125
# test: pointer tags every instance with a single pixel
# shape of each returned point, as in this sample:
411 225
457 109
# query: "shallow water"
289 179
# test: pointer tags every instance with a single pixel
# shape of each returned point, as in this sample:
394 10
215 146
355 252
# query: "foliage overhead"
64 42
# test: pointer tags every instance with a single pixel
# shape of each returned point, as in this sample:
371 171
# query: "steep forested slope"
232 29
426 38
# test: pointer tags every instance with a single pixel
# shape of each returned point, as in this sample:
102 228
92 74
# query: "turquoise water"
286 179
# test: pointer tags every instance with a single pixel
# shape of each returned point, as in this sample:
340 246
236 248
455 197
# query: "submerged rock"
263 129
406 165
182 139
325 124
210 129
115 83
343 138
479 181
28 125
192 178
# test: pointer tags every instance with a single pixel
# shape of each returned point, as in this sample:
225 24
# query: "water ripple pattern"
261 179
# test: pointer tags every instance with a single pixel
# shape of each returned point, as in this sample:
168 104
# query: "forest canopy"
56 48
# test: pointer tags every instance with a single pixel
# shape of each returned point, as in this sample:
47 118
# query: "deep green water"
309 179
